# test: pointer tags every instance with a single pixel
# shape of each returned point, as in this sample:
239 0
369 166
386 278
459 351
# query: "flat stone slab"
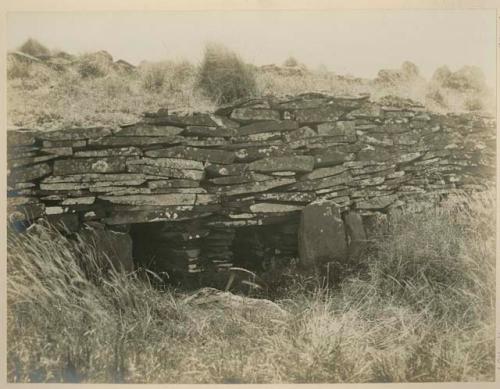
161 171
76 133
322 236
157 199
173 183
129 179
218 170
30 173
59 151
156 214
250 114
196 154
79 200
300 163
331 158
122 151
64 167
302 133
376 203
209 132
268 126
240 179
321 183
256 187
273 208
318 115
116 141
64 143
172 163
288 197
143 129
15 163
251 154
343 128
324 172
20 138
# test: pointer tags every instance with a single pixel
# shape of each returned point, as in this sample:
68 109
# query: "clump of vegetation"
423 310
94 65
291 62
223 76
34 48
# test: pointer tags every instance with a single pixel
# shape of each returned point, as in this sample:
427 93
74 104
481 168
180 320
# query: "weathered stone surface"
318 115
122 151
162 117
142 129
289 197
293 163
225 301
20 138
369 110
376 139
14 163
65 167
159 199
302 133
346 128
251 154
59 151
331 158
376 203
172 163
118 190
356 234
371 153
165 172
406 158
324 172
79 200
268 126
128 179
327 182
217 170
113 247
173 183
137 141
241 179
274 207
64 143
172 213
250 114
321 235
76 134
196 154
29 173
209 132
256 187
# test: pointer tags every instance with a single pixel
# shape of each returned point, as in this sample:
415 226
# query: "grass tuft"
423 310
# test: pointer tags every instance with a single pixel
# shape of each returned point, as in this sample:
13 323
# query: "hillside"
57 89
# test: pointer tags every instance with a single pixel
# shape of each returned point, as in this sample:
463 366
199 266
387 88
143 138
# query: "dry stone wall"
254 164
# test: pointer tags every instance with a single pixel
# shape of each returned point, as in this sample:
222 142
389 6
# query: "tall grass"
421 310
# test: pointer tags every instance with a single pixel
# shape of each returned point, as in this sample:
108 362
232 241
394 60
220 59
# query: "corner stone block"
322 237
356 234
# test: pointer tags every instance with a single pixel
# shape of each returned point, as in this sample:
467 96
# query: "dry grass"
421 310
91 91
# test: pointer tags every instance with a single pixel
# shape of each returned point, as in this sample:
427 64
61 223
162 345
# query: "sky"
359 43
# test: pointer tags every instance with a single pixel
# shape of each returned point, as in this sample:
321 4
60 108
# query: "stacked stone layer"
258 162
